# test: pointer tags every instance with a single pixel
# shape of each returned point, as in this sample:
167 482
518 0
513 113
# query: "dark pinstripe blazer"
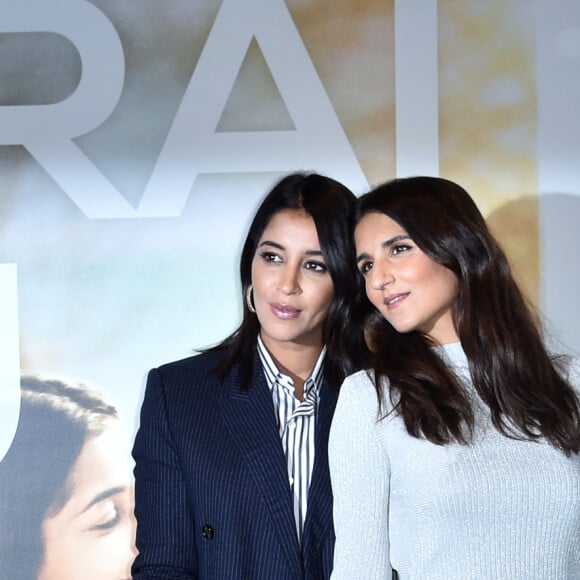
211 486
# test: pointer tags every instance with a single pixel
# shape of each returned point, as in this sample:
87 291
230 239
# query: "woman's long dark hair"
331 205
523 386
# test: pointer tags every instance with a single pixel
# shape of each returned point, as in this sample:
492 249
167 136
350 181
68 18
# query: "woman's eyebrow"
363 256
385 244
103 496
394 240
281 247
271 243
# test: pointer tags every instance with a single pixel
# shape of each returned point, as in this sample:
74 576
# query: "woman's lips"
284 311
394 300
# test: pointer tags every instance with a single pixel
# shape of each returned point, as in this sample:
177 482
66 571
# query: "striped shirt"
297 426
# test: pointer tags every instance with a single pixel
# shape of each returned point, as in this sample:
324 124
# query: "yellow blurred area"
487 102
487 122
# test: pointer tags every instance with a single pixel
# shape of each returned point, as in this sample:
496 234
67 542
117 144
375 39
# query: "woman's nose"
289 283
381 277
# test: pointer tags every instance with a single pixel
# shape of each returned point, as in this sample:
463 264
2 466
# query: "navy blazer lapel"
250 419
318 524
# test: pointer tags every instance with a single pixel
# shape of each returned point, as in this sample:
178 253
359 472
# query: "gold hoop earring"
249 300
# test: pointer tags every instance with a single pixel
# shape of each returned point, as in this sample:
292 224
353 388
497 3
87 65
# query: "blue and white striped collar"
274 375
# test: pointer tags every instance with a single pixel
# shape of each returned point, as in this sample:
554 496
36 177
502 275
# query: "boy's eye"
112 518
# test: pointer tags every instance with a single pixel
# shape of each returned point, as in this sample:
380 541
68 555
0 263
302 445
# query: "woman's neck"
295 360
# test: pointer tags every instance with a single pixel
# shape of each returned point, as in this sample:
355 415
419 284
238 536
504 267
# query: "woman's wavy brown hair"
524 387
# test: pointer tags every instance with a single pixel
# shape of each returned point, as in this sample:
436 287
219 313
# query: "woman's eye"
399 248
365 267
316 266
270 257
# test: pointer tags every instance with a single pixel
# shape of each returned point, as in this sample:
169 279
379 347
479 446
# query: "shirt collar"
274 375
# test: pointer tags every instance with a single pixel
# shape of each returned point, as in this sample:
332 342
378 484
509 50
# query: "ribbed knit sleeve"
360 481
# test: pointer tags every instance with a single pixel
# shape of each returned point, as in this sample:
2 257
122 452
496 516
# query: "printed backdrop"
137 138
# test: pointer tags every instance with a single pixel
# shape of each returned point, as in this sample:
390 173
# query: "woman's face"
92 536
408 288
292 288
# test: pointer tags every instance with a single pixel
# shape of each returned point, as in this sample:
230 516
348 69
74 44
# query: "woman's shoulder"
185 392
194 362
361 386
361 380
193 372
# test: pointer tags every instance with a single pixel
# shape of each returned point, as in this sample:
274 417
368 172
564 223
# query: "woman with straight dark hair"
458 450
231 458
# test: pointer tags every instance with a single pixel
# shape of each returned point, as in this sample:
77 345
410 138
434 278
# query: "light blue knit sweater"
498 508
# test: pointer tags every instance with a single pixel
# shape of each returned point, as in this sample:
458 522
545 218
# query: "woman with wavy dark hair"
231 472
457 454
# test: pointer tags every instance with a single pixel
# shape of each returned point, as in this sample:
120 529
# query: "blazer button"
207 532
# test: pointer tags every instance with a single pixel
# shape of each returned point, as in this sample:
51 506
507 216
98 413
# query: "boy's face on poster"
92 536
